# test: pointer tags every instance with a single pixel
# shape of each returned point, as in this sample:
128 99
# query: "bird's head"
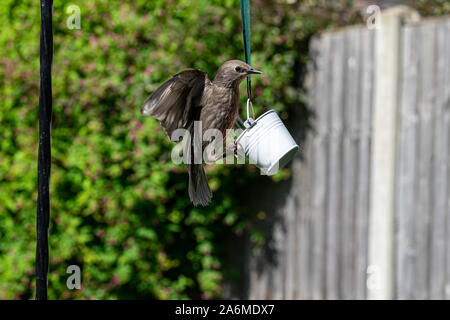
233 72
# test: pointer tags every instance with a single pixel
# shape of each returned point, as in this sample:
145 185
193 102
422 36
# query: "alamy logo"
206 146
373 278
74 280
374 19
198 146
74 20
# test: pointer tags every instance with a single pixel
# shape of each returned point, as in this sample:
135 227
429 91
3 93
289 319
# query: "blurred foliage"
119 206
432 7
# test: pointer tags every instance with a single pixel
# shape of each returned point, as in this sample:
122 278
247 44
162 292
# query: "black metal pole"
44 154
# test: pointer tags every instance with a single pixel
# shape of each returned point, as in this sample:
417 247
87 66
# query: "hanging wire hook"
249 103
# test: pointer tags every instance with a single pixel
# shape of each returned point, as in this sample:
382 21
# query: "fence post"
44 154
380 271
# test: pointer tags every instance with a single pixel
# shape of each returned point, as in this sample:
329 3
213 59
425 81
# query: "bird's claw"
230 148
233 148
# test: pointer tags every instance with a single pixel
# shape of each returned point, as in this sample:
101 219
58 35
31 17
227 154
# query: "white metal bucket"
266 142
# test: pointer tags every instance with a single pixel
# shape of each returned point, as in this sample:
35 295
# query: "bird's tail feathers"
199 191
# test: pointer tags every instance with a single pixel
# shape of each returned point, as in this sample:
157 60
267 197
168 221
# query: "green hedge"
119 206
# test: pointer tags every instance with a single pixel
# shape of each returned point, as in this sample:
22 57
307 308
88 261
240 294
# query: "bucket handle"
249 103
250 122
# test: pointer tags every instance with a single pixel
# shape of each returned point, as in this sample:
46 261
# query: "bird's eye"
238 69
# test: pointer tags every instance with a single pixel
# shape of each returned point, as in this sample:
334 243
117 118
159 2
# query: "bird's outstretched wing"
175 101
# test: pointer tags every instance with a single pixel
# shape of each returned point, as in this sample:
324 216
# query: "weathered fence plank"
303 250
319 172
406 167
349 162
302 183
446 118
424 156
439 173
290 254
363 183
333 200
277 271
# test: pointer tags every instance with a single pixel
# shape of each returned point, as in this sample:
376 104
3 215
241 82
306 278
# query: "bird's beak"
254 71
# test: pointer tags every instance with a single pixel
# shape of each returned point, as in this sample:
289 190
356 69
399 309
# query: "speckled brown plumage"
190 96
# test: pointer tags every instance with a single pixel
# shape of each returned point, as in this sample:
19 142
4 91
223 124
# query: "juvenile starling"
190 96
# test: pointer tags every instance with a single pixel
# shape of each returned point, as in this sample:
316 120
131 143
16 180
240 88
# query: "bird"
190 96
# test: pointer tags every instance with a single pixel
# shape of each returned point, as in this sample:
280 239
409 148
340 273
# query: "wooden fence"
318 235
423 171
